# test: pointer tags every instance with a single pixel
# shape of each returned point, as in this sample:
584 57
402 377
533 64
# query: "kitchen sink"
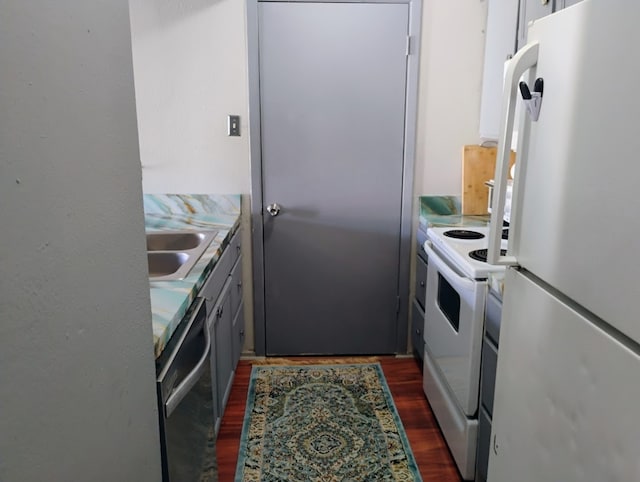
172 254
173 241
165 264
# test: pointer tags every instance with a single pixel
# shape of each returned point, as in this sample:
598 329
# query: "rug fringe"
314 360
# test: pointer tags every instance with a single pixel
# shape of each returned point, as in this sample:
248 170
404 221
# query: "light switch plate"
233 125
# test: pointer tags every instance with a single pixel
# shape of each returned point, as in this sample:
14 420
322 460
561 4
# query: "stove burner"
505 234
481 254
463 234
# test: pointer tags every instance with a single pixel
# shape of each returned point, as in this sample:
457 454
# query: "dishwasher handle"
192 378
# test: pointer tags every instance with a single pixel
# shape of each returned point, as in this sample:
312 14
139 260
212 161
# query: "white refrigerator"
567 399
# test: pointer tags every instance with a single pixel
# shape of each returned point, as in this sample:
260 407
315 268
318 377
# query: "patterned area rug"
322 423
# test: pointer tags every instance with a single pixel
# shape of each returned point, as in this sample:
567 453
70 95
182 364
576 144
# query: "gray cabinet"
417 327
237 328
236 285
237 333
223 353
488 379
484 443
493 314
223 296
421 281
420 291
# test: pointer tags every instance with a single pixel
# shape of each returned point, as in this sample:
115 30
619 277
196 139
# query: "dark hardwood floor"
405 382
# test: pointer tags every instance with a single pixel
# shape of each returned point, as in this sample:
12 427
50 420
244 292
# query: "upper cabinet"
506 32
565 3
534 9
531 10
500 45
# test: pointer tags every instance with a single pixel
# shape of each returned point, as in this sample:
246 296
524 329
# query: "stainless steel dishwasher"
185 397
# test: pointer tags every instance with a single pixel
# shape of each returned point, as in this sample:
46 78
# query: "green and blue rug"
322 423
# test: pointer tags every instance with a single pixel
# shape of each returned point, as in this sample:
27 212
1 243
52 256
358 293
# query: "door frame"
255 140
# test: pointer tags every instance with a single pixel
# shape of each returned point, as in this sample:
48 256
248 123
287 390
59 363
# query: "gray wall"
77 397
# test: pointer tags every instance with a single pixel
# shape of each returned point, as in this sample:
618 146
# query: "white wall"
190 73
77 392
450 87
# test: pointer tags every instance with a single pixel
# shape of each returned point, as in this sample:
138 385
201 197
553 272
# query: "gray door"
332 89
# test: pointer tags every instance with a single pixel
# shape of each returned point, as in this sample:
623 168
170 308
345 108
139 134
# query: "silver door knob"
274 209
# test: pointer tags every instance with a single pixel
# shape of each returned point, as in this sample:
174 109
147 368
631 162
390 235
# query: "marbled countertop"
170 300
447 211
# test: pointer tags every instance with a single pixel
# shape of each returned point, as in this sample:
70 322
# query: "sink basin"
172 254
172 241
165 264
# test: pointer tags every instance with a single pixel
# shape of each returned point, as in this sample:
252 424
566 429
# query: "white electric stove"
455 297
465 248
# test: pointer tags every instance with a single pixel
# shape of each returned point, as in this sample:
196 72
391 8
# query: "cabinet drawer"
218 277
488 380
236 285
212 287
421 281
417 327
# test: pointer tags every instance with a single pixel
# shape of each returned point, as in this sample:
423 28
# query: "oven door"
454 313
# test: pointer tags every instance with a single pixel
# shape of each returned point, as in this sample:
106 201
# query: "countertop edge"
171 300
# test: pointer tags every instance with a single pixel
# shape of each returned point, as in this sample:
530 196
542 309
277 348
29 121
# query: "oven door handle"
192 378
453 277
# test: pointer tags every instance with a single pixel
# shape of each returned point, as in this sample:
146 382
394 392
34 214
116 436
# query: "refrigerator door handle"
524 59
